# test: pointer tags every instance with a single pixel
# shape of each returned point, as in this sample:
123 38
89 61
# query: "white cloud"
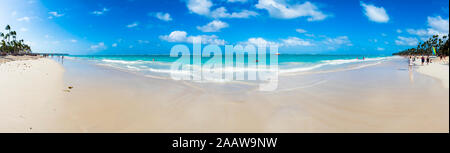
341 40
419 32
438 24
406 41
399 31
100 12
201 7
73 41
23 29
424 38
182 37
330 43
207 39
376 14
143 41
383 34
55 15
163 16
114 45
213 26
99 46
310 35
222 12
280 9
134 24
175 36
300 30
380 49
288 42
258 41
294 41
234 1
25 18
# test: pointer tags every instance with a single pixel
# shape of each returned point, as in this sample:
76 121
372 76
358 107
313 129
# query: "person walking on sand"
423 60
410 61
428 60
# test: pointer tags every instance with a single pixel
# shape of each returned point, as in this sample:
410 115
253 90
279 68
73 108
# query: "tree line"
10 44
426 47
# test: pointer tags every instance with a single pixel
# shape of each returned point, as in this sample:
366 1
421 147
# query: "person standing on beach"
410 61
428 60
423 60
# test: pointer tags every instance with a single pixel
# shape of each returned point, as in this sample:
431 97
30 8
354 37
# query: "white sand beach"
31 96
34 97
437 70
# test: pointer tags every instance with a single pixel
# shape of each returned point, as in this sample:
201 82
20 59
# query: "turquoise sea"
288 63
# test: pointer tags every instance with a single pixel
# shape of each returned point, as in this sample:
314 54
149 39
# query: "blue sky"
296 26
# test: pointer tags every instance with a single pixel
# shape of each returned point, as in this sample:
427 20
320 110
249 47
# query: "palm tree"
9 31
13 46
425 48
14 34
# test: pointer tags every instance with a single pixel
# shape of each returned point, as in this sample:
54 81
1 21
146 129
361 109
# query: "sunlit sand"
386 97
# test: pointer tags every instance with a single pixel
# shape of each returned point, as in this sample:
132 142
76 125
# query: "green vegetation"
10 44
426 48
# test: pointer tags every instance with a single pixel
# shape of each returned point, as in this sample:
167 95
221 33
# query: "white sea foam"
336 62
135 62
120 61
130 65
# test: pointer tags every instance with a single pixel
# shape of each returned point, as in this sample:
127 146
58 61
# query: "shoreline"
377 98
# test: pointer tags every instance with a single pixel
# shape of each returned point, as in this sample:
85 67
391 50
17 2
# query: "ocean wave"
301 69
121 61
346 61
336 62
133 65
135 62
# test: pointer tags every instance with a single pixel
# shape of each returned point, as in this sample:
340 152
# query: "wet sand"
387 97
383 98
